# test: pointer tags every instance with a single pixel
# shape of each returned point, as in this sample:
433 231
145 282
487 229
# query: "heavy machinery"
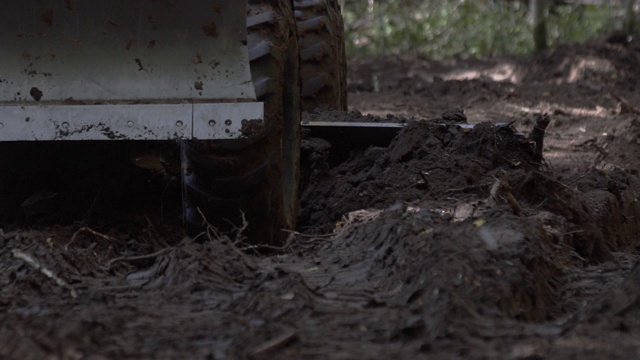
224 80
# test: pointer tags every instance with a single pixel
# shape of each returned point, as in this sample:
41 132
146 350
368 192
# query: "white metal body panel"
123 69
128 122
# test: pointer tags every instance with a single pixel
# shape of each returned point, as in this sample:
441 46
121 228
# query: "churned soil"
500 222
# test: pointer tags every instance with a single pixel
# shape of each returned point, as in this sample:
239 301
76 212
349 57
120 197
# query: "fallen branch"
19 254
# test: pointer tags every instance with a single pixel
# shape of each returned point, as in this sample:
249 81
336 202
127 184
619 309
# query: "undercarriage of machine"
224 80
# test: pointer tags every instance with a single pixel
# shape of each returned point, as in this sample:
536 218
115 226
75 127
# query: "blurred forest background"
463 28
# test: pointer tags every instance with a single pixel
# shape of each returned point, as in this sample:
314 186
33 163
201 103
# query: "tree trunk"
630 18
538 10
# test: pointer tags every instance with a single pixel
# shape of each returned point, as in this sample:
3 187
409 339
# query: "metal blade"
355 134
96 51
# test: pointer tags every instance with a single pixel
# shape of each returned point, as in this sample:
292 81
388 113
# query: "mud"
451 241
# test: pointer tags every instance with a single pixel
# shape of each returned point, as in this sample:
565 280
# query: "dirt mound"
428 160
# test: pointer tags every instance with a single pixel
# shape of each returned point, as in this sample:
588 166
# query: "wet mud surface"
451 241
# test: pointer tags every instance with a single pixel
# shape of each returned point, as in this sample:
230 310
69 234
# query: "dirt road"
451 242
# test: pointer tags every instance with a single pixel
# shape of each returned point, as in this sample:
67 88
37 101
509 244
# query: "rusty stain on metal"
47 17
210 29
36 93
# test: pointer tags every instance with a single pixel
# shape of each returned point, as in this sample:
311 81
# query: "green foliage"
446 28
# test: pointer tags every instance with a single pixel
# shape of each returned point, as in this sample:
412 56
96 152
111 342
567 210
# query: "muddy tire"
226 182
323 66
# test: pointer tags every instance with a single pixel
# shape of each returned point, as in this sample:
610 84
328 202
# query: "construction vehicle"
225 80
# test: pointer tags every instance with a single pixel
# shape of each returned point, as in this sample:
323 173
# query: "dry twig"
555 181
501 187
284 247
155 235
273 344
90 231
138 257
34 263
466 188
212 230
